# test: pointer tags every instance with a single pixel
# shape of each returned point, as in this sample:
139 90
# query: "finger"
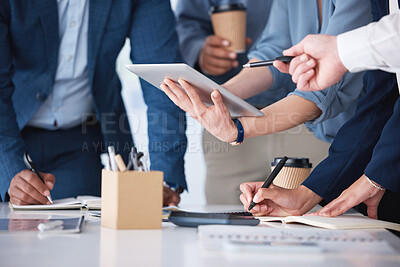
49 180
31 192
266 193
184 99
303 68
297 61
18 201
295 50
335 208
281 66
218 52
214 40
33 180
304 80
372 211
248 191
219 103
27 199
244 201
171 95
199 107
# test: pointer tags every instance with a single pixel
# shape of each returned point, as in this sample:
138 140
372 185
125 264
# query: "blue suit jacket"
369 142
29 42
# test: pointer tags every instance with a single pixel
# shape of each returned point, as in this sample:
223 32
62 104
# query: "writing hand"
277 201
26 188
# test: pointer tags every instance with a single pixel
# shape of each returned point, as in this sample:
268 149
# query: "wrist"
239 139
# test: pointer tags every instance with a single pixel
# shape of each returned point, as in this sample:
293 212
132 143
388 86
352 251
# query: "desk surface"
171 246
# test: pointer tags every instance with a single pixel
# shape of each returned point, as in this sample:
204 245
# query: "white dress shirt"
71 99
375 46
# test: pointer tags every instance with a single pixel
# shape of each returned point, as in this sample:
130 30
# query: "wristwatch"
240 135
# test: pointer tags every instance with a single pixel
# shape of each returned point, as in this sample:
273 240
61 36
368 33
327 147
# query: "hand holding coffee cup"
229 23
294 172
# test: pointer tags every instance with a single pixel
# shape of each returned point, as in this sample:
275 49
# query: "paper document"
265 238
89 202
343 222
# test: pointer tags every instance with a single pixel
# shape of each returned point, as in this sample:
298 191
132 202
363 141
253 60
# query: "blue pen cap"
293 162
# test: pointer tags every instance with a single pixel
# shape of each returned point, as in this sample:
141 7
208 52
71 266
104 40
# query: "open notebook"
343 222
89 202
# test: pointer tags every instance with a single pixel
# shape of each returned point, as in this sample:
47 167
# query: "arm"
375 46
11 144
153 40
198 43
274 39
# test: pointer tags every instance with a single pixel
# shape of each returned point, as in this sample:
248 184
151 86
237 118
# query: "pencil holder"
131 199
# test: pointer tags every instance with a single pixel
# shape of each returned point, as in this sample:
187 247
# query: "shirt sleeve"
375 46
384 167
193 27
11 144
154 40
338 98
274 39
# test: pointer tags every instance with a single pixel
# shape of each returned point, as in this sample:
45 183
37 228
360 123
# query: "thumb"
49 179
295 50
218 102
372 211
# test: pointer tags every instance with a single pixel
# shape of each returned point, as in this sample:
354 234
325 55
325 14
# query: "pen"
111 154
271 178
29 164
267 62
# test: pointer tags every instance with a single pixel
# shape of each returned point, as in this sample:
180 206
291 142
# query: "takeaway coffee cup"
229 22
294 172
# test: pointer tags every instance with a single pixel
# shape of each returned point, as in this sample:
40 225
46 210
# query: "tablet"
195 219
156 73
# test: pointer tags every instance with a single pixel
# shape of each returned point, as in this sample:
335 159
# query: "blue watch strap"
240 136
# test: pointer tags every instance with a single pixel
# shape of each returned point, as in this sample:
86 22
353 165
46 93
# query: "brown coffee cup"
294 172
229 22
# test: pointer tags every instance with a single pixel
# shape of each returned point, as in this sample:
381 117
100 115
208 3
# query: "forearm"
250 82
280 116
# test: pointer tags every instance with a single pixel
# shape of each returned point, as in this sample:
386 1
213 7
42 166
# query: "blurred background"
136 108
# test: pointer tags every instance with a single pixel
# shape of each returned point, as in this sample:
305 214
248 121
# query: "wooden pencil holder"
131 199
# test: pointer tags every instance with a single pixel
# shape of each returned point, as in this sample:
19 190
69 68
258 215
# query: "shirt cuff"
354 49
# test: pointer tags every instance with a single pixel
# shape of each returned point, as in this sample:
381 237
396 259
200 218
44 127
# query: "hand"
324 70
277 201
171 198
215 59
26 188
361 191
216 119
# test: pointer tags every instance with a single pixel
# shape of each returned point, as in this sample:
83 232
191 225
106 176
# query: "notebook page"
65 203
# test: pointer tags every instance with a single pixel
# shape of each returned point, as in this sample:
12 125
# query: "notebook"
88 202
267 239
343 222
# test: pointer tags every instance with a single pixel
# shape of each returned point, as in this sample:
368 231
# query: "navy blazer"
29 43
369 142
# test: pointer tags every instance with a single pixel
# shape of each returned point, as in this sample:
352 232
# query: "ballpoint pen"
285 59
271 178
29 164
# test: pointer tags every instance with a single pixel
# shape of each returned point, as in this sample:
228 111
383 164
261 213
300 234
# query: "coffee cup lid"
294 162
231 7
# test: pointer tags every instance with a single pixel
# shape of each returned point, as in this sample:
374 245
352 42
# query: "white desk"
171 246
